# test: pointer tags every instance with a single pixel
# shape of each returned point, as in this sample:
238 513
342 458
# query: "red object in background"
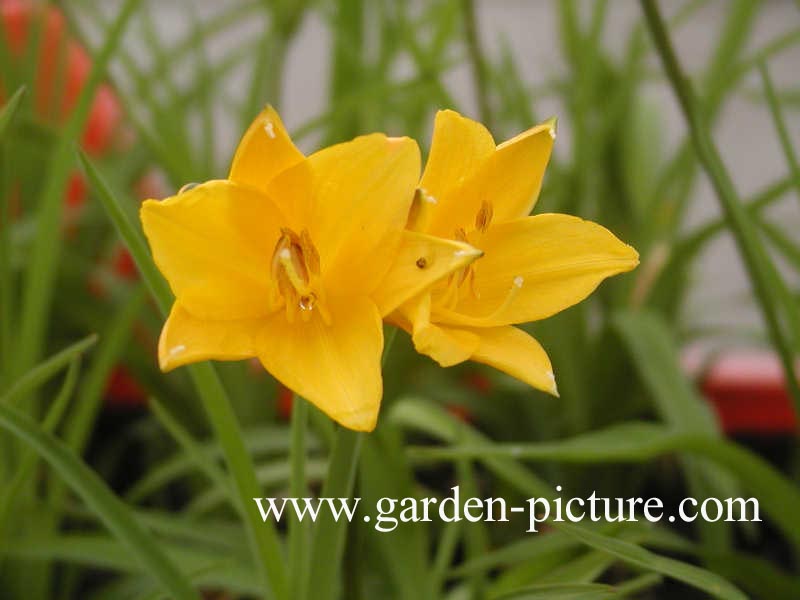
124 265
123 391
748 392
76 191
285 401
478 382
460 412
55 104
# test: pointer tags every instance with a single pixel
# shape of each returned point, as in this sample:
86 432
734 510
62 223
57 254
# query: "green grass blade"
477 60
96 494
329 535
761 271
780 125
113 340
262 536
29 459
43 263
563 591
635 555
639 442
653 352
299 531
10 109
130 235
425 417
46 369
190 447
203 566
261 441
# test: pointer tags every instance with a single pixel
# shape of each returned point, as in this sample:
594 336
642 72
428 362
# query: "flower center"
467 274
452 289
295 271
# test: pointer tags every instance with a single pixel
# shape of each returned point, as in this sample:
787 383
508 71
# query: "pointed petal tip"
553 390
633 257
468 253
552 125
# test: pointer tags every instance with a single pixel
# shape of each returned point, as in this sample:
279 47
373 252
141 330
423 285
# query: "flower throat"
295 270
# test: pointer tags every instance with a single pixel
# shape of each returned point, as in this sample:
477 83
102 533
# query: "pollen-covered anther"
295 271
484 217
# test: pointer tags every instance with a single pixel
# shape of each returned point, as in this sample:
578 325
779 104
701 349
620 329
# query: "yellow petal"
362 194
447 346
535 267
336 367
292 192
458 148
421 261
513 351
509 181
214 243
186 339
264 151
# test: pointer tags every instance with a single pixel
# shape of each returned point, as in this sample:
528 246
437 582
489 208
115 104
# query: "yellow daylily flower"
295 260
532 266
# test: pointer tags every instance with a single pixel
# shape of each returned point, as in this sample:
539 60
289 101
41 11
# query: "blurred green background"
157 94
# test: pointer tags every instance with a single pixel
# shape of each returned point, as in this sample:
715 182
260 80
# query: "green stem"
478 63
262 536
40 276
761 271
298 529
329 535
780 125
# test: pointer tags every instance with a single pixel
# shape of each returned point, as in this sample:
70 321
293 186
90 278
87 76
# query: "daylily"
295 260
532 266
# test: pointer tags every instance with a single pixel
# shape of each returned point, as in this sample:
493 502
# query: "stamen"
472 287
295 270
484 217
450 296
309 252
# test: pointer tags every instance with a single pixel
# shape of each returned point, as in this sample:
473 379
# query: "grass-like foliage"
118 481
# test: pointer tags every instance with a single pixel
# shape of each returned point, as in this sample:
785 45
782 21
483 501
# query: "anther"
309 252
484 217
295 270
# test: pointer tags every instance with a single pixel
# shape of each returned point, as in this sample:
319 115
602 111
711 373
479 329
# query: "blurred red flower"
123 390
56 96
